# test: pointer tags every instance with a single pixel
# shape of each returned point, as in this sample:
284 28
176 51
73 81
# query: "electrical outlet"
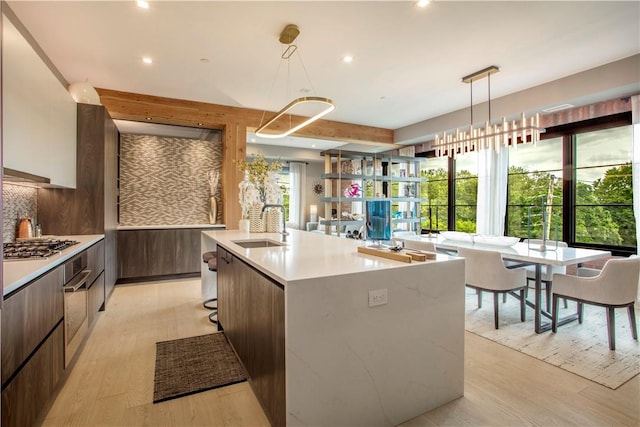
377 297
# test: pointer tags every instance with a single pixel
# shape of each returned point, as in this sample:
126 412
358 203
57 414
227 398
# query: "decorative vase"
255 218
244 225
273 221
213 210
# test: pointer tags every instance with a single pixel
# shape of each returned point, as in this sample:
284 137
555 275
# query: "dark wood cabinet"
187 250
90 208
95 261
28 316
95 281
251 312
96 298
32 348
30 391
161 252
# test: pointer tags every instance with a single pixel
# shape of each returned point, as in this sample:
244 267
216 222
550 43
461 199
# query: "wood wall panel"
587 112
111 136
92 207
138 107
234 148
234 122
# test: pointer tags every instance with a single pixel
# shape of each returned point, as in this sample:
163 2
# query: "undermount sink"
257 243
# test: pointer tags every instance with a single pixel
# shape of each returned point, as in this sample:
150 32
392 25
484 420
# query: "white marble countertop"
308 255
169 227
16 273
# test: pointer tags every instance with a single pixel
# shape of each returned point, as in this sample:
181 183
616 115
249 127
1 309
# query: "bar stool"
211 259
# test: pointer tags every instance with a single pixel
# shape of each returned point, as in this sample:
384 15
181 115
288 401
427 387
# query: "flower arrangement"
260 183
353 190
214 178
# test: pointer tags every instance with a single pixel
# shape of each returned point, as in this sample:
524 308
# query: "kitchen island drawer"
28 316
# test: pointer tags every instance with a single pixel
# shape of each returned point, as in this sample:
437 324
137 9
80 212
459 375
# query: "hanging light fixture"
274 128
490 136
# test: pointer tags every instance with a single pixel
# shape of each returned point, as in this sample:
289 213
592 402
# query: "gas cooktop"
34 248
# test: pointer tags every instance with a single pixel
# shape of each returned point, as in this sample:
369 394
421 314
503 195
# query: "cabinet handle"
79 282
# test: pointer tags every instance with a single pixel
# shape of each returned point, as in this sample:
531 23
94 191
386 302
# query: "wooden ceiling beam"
155 109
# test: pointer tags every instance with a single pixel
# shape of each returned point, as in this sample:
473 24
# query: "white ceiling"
408 62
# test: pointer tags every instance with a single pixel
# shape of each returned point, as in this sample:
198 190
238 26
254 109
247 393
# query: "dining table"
522 254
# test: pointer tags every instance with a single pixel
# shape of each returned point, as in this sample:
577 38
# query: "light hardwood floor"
112 381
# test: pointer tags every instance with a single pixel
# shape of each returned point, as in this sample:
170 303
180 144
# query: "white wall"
39 115
616 79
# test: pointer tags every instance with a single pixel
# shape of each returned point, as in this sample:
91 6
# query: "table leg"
538 300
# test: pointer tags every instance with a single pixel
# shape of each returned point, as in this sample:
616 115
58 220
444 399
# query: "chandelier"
276 128
490 136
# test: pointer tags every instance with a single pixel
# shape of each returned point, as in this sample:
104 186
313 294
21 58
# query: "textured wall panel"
17 201
163 180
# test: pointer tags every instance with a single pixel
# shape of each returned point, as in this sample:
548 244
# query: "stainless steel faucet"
284 221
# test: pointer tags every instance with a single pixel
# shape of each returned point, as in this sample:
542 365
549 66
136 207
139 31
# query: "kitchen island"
330 336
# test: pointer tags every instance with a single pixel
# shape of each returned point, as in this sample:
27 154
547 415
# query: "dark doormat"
191 365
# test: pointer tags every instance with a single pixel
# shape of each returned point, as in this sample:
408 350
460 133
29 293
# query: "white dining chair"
547 271
419 245
485 271
616 286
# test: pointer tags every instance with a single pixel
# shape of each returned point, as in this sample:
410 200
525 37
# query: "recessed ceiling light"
347 59
253 140
422 3
313 145
143 4
147 60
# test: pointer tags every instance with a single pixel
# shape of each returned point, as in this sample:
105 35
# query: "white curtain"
297 202
492 192
635 171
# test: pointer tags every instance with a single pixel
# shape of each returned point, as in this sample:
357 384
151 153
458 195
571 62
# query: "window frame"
567 132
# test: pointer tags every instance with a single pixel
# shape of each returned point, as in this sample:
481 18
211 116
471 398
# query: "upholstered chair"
485 271
419 245
616 286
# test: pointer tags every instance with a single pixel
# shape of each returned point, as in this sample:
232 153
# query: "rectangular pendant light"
325 102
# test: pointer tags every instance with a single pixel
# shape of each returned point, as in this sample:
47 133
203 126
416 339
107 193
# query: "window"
581 172
283 182
466 191
603 187
435 211
535 177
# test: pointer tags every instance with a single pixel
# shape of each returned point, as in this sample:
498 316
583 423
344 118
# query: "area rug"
582 349
191 365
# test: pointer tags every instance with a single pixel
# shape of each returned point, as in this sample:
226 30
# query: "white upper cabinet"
39 114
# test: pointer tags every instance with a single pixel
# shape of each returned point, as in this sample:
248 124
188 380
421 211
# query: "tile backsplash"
17 201
163 180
